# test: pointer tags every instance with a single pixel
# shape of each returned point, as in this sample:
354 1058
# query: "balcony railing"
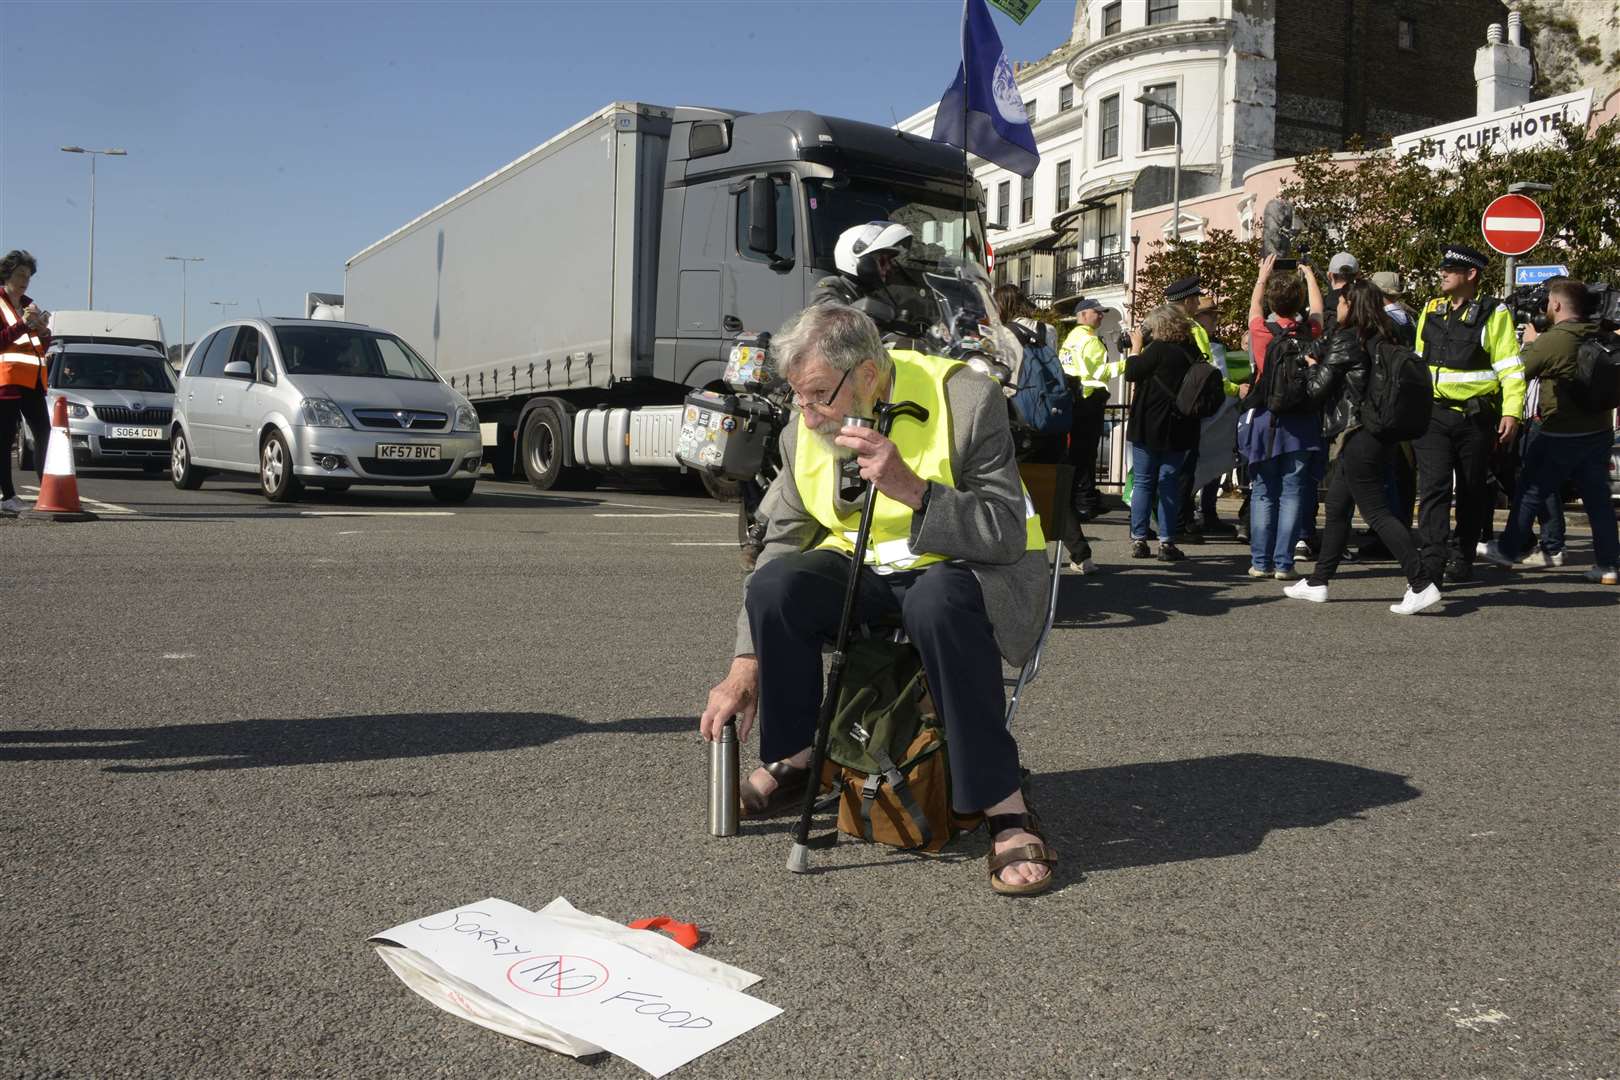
1094 273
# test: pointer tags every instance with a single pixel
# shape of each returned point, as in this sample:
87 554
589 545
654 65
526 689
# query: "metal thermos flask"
723 800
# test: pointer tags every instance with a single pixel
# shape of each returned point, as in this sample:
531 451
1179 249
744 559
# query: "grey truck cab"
576 295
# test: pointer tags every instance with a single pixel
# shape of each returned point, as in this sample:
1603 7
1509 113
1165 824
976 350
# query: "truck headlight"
321 412
466 418
78 411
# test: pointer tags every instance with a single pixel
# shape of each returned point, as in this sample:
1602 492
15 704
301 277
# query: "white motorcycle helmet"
857 248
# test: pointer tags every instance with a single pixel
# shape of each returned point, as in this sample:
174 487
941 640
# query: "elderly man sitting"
956 553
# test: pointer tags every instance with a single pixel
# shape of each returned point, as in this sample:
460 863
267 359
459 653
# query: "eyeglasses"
801 403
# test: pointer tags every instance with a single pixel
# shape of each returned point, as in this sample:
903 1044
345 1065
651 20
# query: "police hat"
1463 257
1182 288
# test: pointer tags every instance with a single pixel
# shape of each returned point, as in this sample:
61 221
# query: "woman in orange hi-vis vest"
23 341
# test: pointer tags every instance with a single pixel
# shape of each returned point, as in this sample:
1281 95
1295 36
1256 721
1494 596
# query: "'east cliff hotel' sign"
1518 128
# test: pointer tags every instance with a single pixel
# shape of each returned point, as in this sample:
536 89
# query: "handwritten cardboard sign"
578 983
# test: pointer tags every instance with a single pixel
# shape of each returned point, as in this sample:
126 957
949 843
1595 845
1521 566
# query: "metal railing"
1094 273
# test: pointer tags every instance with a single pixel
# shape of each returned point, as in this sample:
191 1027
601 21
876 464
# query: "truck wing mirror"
762 215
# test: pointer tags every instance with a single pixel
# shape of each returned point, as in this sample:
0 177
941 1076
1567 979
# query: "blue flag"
982 110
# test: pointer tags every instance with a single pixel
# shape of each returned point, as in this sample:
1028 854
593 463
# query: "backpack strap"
897 783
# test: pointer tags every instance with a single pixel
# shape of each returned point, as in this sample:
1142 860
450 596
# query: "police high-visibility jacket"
925 447
1201 337
22 358
1472 352
1085 357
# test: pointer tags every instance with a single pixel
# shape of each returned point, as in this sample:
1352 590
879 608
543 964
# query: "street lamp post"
183 260
1149 99
224 307
90 300
1519 188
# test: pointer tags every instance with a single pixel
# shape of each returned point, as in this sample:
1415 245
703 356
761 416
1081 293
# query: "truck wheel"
720 489
544 434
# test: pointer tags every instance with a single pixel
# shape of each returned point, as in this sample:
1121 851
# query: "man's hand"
1267 264
1136 341
1243 390
1530 333
1506 429
735 695
882 465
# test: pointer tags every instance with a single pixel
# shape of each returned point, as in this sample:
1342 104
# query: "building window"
1029 111
1108 128
1062 186
1066 97
1161 11
1026 200
1406 34
1024 268
1110 20
1158 127
1004 203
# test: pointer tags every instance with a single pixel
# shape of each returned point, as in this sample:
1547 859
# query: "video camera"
1528 303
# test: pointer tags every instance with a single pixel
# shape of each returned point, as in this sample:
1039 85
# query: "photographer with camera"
956 554
1575 437
1470 346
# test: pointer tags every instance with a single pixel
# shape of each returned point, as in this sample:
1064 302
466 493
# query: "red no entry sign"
1512 224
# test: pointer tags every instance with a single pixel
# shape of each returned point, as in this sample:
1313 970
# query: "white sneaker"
1492 554
1255 571
1302 550
1304 590
1284 575
1084 566
1540 560
1604 575
1412 602
1479 548
13 505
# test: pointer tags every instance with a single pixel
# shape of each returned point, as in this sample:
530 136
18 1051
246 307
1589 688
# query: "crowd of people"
1505 422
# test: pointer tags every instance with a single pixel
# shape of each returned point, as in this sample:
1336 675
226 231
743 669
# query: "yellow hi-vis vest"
925 447
22 363
1085 357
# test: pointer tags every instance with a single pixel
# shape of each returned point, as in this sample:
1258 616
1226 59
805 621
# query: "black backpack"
1281 388
1042 403
1201 394
1400 394
1596 384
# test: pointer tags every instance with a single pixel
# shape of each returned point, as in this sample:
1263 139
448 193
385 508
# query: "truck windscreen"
935 220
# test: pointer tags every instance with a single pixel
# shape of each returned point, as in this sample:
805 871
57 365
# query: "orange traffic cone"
59 487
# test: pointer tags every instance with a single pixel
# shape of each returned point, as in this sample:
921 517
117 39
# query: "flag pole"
962 33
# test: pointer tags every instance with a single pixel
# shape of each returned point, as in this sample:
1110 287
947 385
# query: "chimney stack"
1502 68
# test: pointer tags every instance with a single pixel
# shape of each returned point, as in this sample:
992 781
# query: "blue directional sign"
1535 275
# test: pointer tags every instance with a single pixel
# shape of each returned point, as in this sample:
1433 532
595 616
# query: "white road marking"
179 656
703 514
351 532
103 507
703 543
570 498
376 513
1480 1020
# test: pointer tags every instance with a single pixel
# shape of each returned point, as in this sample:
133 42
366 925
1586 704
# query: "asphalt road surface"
1296 840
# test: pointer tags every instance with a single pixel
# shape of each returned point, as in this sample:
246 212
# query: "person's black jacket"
1339 381
1157 373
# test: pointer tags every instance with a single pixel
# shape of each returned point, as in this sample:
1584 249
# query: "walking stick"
799 857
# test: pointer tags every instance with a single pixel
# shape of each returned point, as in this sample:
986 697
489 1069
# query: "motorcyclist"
870 276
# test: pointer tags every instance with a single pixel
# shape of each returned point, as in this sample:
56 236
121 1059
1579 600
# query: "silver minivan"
326 404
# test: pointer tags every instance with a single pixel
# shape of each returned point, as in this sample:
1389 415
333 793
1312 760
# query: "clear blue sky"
276 140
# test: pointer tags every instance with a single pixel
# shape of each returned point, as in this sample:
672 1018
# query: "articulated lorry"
576 295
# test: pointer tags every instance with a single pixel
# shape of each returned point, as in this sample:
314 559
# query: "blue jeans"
1157 478
1549 461
1276 507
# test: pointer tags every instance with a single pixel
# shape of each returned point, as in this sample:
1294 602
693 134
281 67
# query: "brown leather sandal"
787 796
1038 852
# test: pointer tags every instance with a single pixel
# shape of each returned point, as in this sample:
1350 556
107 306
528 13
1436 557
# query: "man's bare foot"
1018 873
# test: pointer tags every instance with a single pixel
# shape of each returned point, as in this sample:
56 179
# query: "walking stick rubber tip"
799 859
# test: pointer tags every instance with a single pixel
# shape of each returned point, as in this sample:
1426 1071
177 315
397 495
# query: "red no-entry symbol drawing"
557 976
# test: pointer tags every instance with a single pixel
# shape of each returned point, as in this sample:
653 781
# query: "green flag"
1018 9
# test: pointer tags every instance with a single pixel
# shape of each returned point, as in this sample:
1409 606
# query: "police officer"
1185 293
1473 355
1085 361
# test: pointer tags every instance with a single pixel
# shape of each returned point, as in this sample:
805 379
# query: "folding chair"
1050 488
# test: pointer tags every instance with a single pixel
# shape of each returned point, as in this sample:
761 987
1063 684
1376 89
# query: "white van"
108 328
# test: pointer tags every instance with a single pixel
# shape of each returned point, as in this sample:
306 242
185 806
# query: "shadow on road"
1154 592
1203 808
1590 597
257 744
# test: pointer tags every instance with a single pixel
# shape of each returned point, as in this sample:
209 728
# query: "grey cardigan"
979 522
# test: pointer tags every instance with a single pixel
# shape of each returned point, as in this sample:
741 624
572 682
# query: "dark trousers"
1358 482
1551 461
30 408
1084 439
794 603
1200 503
1455 443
